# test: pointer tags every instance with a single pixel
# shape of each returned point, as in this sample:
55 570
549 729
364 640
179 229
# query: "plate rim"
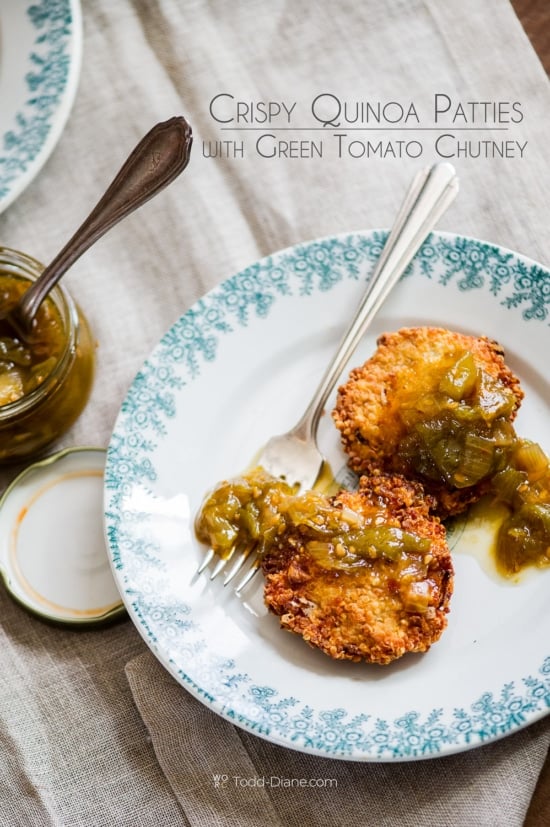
73 47
202 694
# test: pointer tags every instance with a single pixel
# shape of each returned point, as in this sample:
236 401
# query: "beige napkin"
75 750
223 775
396 50
399 49
539 808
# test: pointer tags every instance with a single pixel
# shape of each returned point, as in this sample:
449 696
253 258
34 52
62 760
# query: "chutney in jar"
44 382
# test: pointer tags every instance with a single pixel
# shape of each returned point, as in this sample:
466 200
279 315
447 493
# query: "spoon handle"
155 162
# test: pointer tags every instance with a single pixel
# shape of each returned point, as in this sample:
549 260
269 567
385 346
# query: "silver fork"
295 456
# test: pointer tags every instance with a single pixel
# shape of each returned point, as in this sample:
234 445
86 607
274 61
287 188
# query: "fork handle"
431 192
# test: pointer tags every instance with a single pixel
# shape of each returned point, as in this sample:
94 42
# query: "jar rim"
24 266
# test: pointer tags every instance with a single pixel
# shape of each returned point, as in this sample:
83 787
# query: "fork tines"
239 558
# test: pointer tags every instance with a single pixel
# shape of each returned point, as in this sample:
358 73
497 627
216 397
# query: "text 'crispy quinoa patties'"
433 405
364 575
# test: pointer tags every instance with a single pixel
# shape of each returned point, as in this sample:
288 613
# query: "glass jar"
37 418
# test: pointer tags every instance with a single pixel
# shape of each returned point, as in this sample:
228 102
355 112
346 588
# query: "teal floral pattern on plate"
48 61
153 482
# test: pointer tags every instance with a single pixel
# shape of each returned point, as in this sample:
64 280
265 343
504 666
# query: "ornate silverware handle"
431 192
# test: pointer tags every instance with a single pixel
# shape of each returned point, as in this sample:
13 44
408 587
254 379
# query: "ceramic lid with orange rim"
53 555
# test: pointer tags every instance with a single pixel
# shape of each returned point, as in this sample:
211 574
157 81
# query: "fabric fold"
82 742
223 775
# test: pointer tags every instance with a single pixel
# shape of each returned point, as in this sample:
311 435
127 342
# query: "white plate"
40 55
241 365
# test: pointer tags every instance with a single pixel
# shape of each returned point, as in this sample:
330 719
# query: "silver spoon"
154 163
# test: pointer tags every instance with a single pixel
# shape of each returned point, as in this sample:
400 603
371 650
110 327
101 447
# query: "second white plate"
40 57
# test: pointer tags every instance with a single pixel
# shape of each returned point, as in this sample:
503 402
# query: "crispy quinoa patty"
380 609
369 407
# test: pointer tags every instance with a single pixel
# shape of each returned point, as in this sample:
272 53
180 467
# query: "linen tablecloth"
93 730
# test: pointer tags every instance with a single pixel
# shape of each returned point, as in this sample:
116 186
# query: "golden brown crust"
367 408
371 613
